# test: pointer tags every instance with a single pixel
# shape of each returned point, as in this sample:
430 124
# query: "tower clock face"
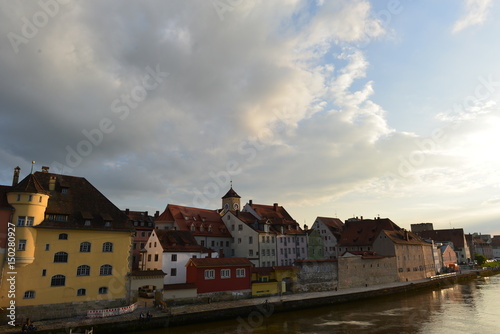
236 206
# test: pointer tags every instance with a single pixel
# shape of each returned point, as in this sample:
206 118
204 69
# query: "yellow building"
72 248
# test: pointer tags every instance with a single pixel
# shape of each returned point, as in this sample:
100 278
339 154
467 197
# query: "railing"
111 312
442 276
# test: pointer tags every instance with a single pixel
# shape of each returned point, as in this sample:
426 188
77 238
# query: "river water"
472 307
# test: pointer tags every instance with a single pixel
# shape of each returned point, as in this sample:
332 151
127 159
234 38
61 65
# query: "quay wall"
242 314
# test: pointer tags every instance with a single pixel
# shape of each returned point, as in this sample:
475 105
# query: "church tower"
231 200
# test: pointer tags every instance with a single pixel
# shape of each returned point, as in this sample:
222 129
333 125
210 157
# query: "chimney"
237 213
45 169
275 205
145 213
361 217
15 179
52 183
157 214
250 202
127 211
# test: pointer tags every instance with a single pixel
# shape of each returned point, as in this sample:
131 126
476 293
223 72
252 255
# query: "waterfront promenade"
162 319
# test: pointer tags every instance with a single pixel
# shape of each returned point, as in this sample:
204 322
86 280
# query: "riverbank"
245 312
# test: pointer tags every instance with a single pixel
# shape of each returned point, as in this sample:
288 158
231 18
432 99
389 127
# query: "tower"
29 200
231 200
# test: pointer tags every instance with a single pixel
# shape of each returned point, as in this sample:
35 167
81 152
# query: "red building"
220 274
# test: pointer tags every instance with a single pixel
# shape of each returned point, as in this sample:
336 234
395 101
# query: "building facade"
330 230
72 247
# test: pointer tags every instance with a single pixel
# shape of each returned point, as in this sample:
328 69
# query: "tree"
480 259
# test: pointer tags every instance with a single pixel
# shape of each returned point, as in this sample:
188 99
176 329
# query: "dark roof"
231 193
364 232
145 273
178 241
365 255
405 237
79 201
220 262
263 271
30 184
455 235
180 286
4 204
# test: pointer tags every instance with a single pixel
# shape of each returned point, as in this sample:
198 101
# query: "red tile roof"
405 237
278 217
220 262
455 235
364 232
205 222
335 224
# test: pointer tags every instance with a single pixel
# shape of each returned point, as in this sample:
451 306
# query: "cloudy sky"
330 108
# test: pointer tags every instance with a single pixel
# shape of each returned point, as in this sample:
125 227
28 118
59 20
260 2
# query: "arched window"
105 270
103 290
63 236
83 270
81 292
61 257
107 247
85 247
30 294
58 280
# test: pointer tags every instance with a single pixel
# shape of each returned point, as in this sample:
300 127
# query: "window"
240 272
272 251
225 273
21 246
156 257
174 257
21 220
64 190
263 239
107 224
227 243
213 243
85 247
47 247
149 257
107 247
143 234
63 236
30 198
250 240
44 272
81 292
232 227
106 270
58 280
29 221
18 197
239 240
173 272
209 274
250 252
60 257
103 290
83 270
30 294
272 240
240 227
87 223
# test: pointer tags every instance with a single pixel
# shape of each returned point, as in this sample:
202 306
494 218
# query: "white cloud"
476 13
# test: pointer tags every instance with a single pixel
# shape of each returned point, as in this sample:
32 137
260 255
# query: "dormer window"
87 222
193 228
107 224
210 228
64 190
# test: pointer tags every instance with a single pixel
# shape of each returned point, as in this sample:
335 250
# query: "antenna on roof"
231 182
32 164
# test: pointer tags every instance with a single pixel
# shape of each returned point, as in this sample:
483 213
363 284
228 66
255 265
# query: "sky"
329 108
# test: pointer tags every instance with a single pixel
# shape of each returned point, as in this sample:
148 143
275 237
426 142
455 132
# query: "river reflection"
473 307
